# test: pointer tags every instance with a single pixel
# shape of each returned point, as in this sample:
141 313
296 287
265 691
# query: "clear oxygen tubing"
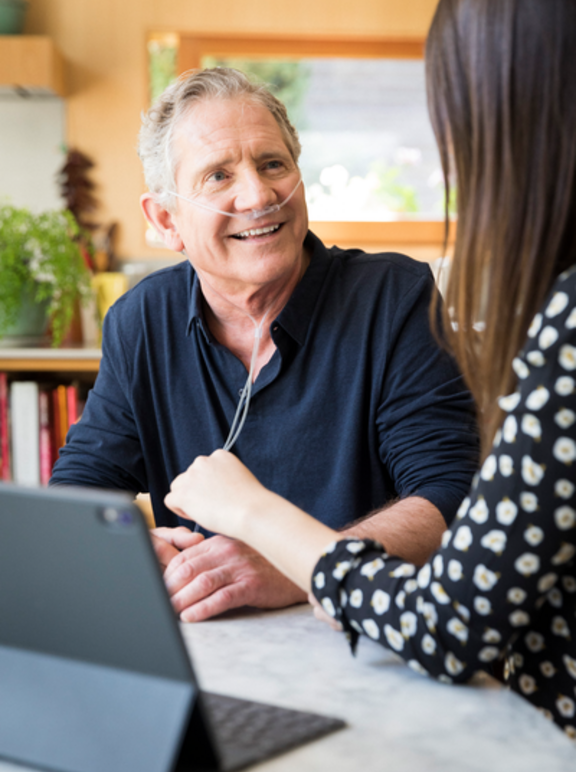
238 423
253 214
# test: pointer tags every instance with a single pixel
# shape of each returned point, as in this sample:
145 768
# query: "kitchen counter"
397 720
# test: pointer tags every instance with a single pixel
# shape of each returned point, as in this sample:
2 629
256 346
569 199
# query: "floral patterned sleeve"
503 584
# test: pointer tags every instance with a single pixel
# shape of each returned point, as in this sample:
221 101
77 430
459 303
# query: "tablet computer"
94 672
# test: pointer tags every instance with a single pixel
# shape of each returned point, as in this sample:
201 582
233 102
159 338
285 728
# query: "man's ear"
162 221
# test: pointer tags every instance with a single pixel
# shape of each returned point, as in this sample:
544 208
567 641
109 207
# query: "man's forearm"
410 529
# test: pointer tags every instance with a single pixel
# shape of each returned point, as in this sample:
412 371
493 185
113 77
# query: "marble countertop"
397 720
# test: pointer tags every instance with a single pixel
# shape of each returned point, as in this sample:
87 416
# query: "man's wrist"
363 529
410 528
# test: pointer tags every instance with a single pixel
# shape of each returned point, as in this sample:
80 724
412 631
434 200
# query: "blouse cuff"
329 578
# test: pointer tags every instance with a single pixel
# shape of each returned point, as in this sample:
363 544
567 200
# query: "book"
62 413
5 465
72 404
45 430
34 421
59 420
25 434
55 425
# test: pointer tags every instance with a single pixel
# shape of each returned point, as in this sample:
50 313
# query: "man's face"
231 156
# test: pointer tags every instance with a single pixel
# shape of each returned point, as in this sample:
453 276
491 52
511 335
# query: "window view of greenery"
288 80
368 152
162 64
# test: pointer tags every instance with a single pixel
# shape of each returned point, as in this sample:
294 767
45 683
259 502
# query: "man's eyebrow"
268 154
265 155
215 164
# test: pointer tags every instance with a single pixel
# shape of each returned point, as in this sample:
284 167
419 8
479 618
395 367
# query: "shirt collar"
195 300
297 314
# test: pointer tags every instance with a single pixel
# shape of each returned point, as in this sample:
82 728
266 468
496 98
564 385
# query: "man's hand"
217 574
168 543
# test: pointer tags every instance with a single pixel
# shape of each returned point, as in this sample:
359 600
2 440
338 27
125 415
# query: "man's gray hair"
159 123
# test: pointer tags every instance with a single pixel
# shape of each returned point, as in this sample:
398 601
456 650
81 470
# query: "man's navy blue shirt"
357 406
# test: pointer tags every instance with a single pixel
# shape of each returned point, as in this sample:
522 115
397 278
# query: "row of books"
34 422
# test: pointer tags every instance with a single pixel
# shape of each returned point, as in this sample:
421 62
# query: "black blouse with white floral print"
503 584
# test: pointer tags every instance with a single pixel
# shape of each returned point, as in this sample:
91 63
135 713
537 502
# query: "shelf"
75 360
31 65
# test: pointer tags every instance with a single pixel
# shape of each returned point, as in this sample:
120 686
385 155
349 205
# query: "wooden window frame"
424 236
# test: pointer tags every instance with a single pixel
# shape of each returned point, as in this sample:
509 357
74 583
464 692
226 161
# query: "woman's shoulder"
560 305
562 295
546 366
555 324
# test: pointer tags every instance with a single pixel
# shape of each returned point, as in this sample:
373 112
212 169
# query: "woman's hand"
220 494
216 491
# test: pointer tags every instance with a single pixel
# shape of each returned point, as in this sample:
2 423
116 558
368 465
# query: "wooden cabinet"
31 64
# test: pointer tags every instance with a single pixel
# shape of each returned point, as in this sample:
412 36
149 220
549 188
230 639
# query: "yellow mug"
108 286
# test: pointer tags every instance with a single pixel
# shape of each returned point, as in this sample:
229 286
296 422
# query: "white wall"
32 136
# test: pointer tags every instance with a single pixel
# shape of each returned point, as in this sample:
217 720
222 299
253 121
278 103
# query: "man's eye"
274 164
217 177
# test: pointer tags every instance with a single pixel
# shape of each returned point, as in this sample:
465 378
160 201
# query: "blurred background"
351 74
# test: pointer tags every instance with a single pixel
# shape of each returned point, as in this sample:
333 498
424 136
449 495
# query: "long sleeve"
426 422
103 449
503 583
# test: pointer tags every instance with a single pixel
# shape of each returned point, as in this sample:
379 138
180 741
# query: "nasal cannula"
253 214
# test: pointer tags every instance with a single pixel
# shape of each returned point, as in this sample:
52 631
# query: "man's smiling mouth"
257 231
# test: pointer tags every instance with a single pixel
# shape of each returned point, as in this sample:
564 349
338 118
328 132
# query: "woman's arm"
220 494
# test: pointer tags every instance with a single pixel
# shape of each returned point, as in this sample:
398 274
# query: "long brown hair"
502 99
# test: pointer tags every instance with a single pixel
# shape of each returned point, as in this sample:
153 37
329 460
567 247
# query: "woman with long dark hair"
502 98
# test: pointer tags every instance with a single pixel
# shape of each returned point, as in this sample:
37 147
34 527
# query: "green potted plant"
42 271
12 16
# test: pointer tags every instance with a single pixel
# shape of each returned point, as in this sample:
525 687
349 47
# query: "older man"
349 404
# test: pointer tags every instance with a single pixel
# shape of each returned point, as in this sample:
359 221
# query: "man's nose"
253 192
